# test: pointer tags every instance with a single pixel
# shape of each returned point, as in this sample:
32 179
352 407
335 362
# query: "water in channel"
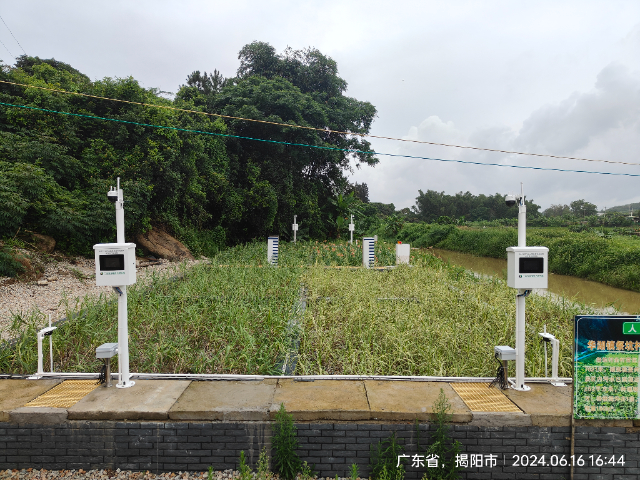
572 288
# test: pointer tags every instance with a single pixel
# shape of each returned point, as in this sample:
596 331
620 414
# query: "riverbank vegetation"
610 256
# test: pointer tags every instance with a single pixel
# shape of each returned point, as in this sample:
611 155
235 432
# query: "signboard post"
606 367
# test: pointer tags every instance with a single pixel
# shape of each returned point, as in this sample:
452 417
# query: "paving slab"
500 419
38 415
322 400
547 405
225 400
403 400
146 400
16 393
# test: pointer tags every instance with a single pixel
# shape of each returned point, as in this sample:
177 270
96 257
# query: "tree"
582 208
302 166
557 210
361 191
206 83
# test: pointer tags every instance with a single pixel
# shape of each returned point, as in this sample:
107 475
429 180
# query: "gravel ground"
33 474
68 280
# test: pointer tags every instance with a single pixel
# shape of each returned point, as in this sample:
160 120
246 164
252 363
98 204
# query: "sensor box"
527 267
115 264
505 353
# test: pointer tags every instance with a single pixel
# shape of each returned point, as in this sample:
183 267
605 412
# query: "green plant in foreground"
286 460
263 466
442 445
306 472
245 470
384 459
354 471
210 473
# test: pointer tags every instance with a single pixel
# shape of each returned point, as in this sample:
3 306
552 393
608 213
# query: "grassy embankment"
613 261
232 316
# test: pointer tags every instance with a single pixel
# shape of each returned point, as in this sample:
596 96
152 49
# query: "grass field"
236 315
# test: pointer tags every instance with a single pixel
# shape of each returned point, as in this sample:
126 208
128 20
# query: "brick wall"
332 447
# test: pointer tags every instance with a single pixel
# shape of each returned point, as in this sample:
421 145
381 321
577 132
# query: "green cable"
347 150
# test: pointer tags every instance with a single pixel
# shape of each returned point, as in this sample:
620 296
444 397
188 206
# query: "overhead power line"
321 147
7 49
14 37
325 130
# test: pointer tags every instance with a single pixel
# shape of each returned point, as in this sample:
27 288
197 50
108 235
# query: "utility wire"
7 49
14 37
321 147
324 130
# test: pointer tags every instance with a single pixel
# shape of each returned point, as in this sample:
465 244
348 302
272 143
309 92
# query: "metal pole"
520 299
520 331
522 220
123 328
351 231
50 347
40 372
123 340
294 229
120 215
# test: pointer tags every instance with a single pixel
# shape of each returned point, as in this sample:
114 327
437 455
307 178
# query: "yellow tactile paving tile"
480 398
64 395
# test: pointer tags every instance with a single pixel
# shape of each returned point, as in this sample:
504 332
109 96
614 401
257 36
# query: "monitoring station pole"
123 324
116 267
527 269
520 298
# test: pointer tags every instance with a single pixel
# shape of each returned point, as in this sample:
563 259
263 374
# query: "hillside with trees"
234 181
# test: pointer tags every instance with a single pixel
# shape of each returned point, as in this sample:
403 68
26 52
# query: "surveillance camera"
112 195
510 200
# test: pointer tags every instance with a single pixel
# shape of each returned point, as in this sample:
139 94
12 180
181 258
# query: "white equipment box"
527 267
403 253
115 264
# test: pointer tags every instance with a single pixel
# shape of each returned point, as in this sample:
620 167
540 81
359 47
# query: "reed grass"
233 315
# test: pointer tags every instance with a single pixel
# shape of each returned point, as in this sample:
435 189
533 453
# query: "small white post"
40 370
272 250
50 348
368 252
41 334
352 227
295 228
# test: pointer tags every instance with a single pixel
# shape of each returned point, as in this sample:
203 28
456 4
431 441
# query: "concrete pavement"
317 401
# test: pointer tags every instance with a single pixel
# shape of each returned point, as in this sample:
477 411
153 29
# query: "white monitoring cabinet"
527 267
115 264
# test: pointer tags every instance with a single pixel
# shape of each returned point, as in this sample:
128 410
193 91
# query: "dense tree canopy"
278 171
431 205
243 180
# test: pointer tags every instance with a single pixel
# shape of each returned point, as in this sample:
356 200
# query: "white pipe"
520 340
205 376
123 340
555 343
522 220
120 215
351 227
50 347
40 369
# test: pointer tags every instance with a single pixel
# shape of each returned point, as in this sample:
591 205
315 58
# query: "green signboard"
606 366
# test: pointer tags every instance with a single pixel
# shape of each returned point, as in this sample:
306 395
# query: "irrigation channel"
590 293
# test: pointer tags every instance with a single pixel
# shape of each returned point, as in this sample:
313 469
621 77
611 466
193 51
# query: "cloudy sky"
550 77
